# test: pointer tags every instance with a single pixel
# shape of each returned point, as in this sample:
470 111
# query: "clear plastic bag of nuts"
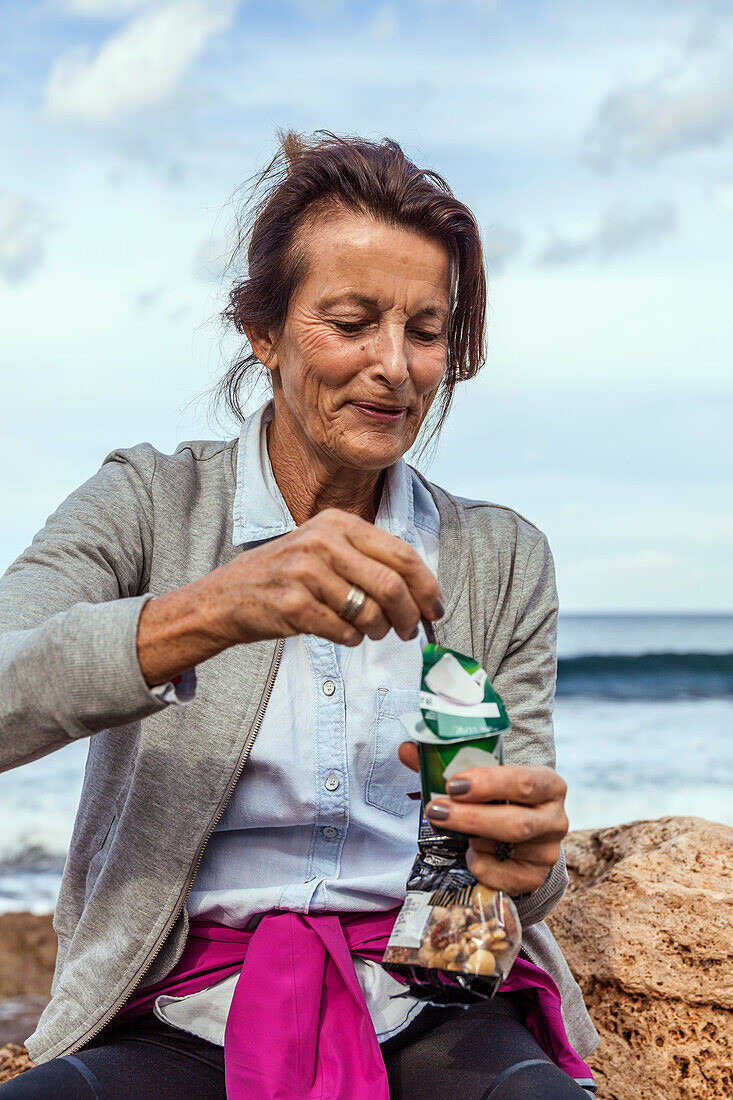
454 939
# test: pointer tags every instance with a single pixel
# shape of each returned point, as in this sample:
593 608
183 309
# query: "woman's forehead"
355 256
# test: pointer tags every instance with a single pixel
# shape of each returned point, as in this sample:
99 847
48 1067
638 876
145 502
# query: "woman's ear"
263 345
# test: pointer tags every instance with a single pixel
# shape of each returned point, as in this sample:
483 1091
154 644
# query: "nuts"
483 896
456 939
481 962
442 933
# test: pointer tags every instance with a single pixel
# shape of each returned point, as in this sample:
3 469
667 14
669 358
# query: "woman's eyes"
352 328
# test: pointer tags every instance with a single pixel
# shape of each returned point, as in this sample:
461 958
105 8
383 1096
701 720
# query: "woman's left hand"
532 820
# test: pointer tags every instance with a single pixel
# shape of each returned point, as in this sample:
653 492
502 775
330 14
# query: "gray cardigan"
158 777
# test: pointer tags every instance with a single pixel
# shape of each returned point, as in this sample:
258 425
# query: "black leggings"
481 1053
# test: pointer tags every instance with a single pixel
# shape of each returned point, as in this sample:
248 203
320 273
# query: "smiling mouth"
379 407
385 413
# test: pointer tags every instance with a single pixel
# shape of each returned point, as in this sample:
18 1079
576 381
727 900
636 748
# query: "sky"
594 143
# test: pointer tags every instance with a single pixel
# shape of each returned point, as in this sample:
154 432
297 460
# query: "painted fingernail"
414 634
439 609
438 812
458 786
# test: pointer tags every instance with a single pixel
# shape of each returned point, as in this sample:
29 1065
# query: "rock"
27 957
646 928
13 1060
27 954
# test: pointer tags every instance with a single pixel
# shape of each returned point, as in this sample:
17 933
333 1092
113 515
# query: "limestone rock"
646 927
27 954
13 1060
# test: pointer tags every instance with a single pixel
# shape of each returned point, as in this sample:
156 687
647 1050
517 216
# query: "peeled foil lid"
450 679
457 703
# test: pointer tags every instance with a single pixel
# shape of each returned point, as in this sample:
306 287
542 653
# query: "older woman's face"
363 349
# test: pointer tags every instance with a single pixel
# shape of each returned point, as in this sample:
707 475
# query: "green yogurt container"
461 722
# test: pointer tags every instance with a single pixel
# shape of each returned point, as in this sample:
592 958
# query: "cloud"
621 231
24 228
140 65
480 5
501 245
146 299
105 9
317 9
689 107
384 22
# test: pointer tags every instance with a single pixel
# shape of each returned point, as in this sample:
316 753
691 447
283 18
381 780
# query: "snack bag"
455 940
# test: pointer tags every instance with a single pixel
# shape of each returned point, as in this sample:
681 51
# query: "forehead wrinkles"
371 258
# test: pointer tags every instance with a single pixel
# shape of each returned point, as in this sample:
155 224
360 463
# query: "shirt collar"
260 511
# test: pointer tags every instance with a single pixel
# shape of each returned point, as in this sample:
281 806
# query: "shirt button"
332 782
329 687
329 832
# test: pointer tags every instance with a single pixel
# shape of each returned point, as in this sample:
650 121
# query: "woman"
236 628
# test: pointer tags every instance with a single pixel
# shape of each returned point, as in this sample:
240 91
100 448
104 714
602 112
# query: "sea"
643 725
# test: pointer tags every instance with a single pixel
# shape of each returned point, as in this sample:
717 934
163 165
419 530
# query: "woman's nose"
392 355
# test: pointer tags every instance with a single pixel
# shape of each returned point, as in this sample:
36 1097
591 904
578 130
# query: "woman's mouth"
386 413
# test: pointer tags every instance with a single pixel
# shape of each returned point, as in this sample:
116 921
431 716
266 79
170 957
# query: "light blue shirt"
321 818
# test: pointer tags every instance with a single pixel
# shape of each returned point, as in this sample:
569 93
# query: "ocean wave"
646 676
31 858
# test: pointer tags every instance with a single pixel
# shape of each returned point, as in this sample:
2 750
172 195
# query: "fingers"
514 876
515 824
329 582
407 753
330 589
390 602
541 851
302 613
399 558
511 782
400 588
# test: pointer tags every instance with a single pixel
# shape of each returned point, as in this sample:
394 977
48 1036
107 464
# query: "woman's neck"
309 486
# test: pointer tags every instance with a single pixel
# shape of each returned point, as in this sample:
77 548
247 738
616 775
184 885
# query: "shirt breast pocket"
390 783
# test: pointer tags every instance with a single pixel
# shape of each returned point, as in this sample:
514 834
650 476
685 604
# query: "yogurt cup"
461 722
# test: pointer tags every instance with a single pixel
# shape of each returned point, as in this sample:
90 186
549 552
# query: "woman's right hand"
296 584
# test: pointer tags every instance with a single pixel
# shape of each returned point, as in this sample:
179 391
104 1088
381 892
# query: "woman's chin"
374 453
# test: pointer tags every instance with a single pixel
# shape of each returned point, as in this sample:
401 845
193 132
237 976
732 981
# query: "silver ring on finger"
503 851
354 603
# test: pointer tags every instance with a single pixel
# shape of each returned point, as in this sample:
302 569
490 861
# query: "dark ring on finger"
503 851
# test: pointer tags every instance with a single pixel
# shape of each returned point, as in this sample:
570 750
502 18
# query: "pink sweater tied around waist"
299 1027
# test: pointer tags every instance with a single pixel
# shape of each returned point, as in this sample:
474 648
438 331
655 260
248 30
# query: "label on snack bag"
409 928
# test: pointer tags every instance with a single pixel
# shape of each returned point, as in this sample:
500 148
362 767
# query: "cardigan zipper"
199 856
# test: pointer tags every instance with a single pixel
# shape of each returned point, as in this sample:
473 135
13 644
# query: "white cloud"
384 22
24 227
317 9
138 66
622 230
687 107
105 9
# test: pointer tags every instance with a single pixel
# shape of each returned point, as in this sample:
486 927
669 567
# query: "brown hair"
308 175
